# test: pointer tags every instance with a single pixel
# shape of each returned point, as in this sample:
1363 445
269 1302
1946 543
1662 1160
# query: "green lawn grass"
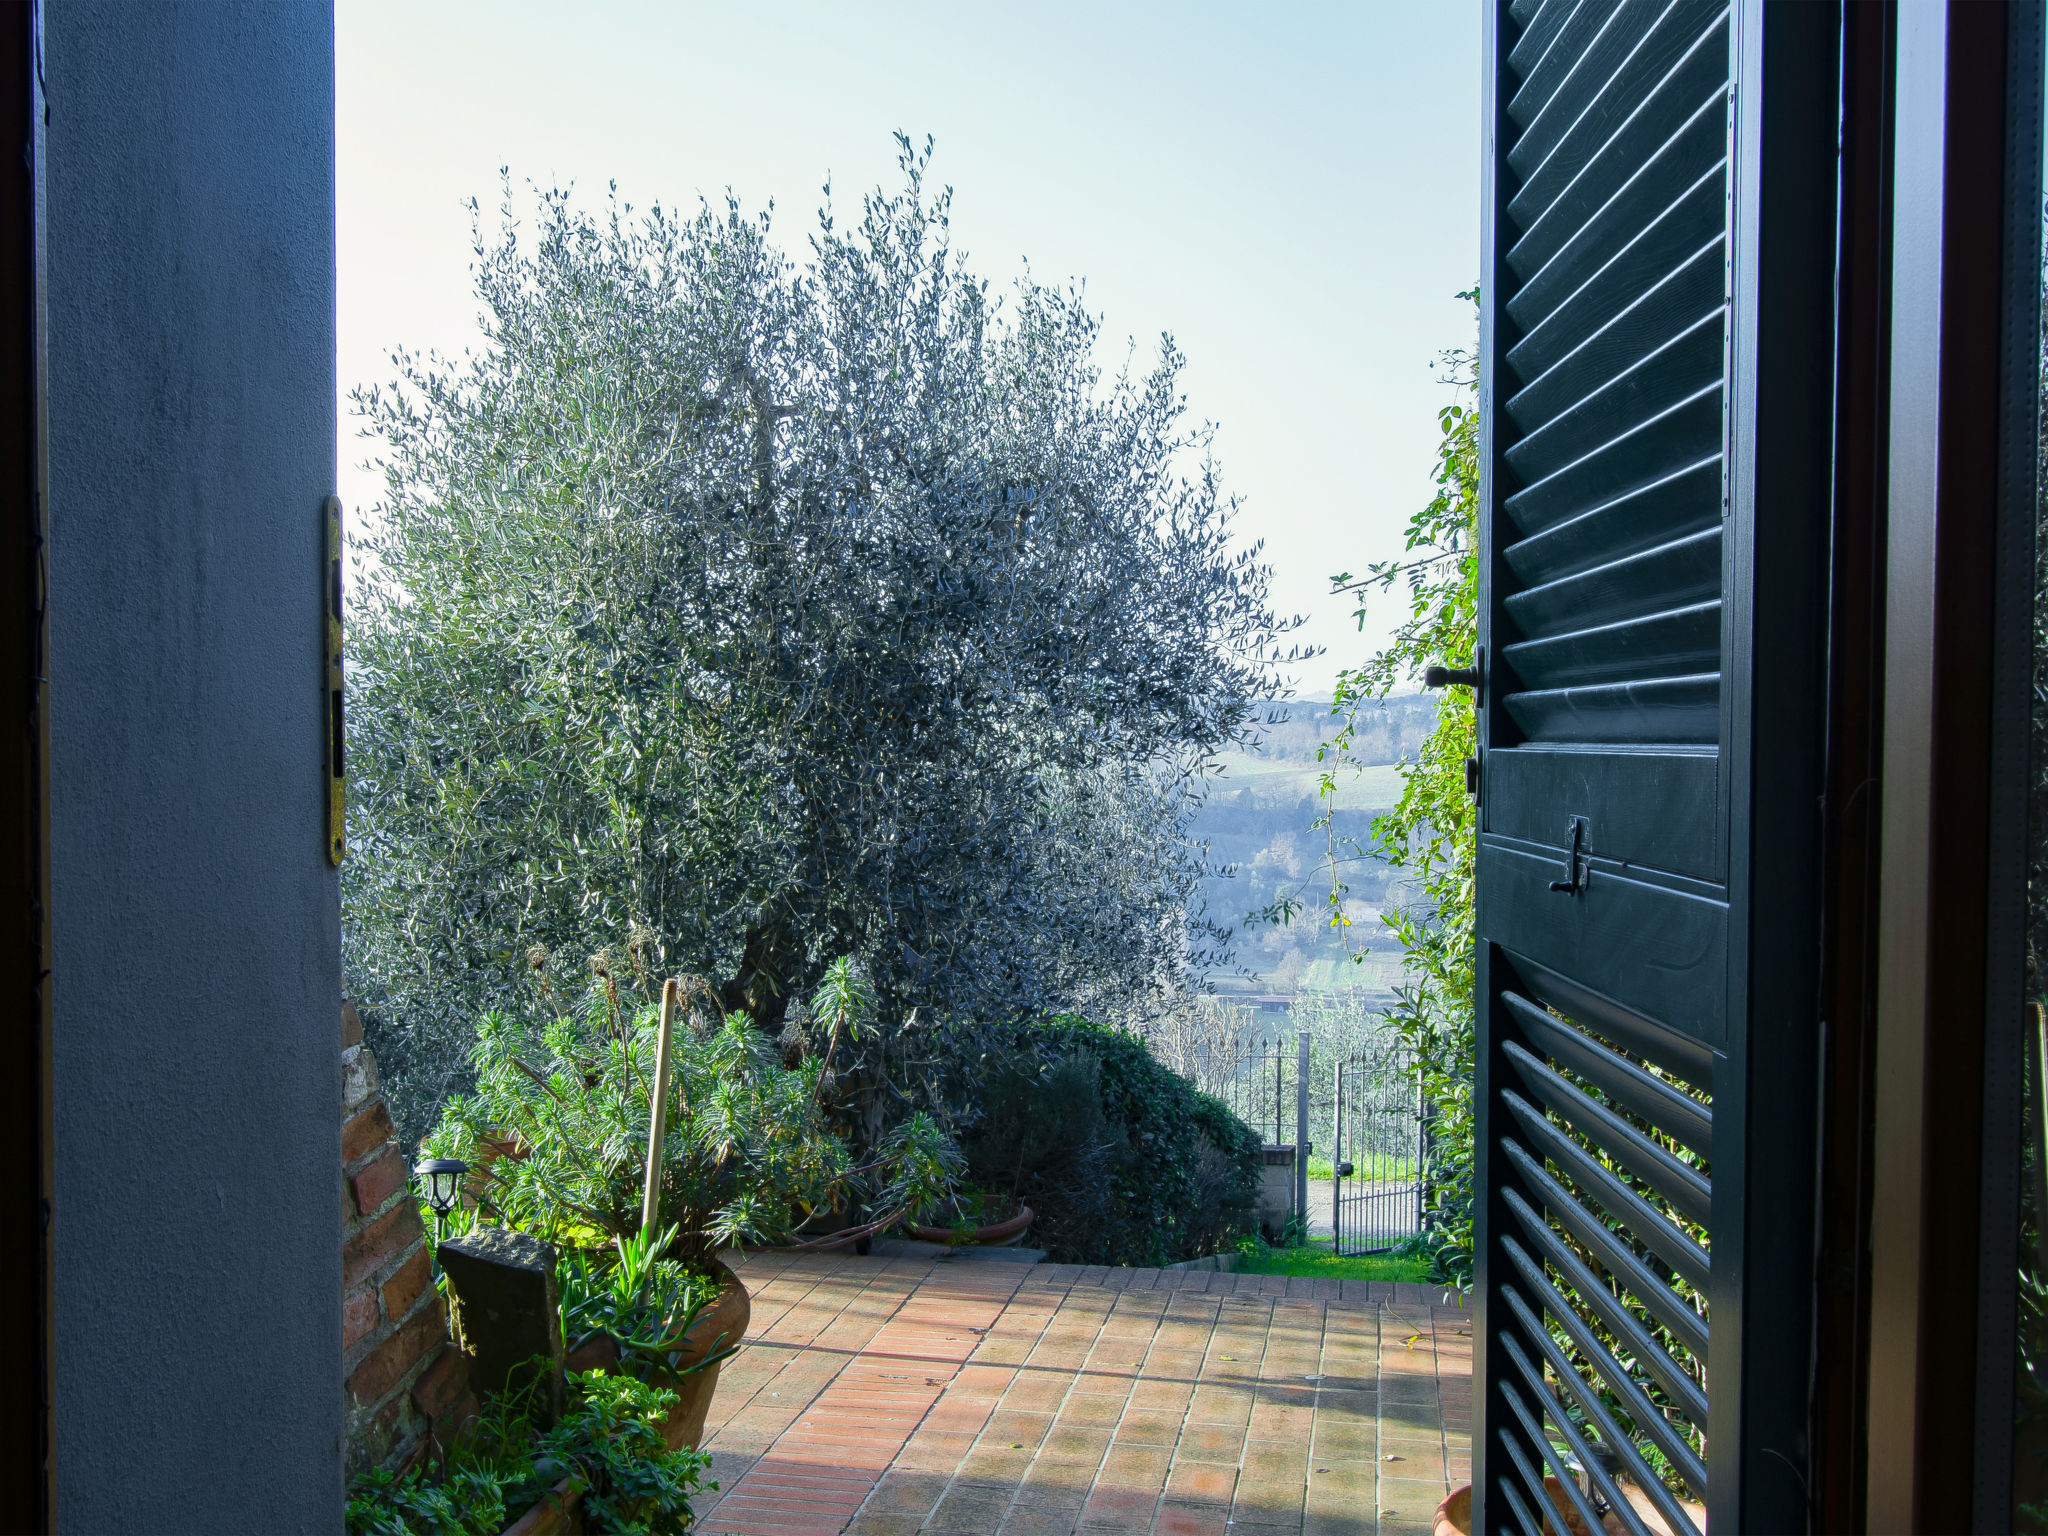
1317 1262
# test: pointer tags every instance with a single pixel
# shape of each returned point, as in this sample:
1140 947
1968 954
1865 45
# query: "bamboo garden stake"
657 1125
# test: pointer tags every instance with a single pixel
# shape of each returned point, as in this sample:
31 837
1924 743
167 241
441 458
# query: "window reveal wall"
195 918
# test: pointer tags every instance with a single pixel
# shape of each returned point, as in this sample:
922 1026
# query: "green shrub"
1124 1160
608 1442
1044 1141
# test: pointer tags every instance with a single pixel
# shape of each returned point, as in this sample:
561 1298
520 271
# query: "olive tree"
746 612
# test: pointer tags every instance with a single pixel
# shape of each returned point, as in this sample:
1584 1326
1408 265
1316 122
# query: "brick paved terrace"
882 1397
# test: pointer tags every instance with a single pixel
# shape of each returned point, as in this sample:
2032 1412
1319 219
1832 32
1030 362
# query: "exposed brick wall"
407 1386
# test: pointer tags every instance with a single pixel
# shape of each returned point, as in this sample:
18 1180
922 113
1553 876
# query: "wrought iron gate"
1381 1151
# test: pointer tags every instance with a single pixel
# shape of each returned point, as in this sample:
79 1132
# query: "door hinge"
331 668
1472 777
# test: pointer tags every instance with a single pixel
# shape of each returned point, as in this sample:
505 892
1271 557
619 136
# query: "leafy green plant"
608 1443
466 1500
644 1302
558 1128
612 1439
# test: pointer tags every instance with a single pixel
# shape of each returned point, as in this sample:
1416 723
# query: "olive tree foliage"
748 613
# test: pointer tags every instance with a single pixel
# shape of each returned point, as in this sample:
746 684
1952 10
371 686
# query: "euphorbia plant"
645 1303
558 1126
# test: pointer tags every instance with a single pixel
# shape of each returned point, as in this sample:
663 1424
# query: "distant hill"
1259 817
1389 732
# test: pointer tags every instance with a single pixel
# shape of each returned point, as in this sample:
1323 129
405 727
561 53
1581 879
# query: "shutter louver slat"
1551 18
1677 370
1667 307
1683 502
1662 1305
1670 1180
1619 1321
1650 1423
1597 1416
1626 1028
1648 38
1558 258
1679 643
1640 457
1682 572
1562 58
1684 1120
1683 127
1602 1163
1625 35
1678 711
1584 169
1552 327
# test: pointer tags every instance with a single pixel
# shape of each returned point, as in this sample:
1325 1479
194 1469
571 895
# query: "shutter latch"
1575 872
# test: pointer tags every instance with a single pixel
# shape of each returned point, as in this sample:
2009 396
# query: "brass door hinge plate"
337 783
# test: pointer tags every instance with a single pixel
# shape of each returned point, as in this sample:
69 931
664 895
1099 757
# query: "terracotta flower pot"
1002 1234
1454 1515
1652 1518
560 1513
718 1327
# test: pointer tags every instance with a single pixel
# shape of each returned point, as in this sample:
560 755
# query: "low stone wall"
1276 1189
408 1387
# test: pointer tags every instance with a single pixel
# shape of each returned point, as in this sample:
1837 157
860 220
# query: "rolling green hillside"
1259 820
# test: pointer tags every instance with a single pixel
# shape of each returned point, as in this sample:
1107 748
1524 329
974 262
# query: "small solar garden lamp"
440 1181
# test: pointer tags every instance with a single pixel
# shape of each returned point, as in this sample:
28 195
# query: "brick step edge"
1400 1292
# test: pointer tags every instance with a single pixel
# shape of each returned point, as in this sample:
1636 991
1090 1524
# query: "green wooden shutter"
1641 461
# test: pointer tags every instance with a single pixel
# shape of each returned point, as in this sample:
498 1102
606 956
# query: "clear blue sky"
1291 191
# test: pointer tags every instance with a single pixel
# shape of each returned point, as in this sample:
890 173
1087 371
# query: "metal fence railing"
1265 1081
1362 1110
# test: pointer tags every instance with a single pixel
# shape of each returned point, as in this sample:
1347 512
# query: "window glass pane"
2030 1410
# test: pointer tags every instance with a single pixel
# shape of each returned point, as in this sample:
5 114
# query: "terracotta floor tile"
1198 1482
1036 1520
1074 1442
1148 1426
1142 1468
1211 1442
1190 1520
1089 1411
1119 1509
973 1511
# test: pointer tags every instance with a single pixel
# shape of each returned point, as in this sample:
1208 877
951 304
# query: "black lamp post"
440 1181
